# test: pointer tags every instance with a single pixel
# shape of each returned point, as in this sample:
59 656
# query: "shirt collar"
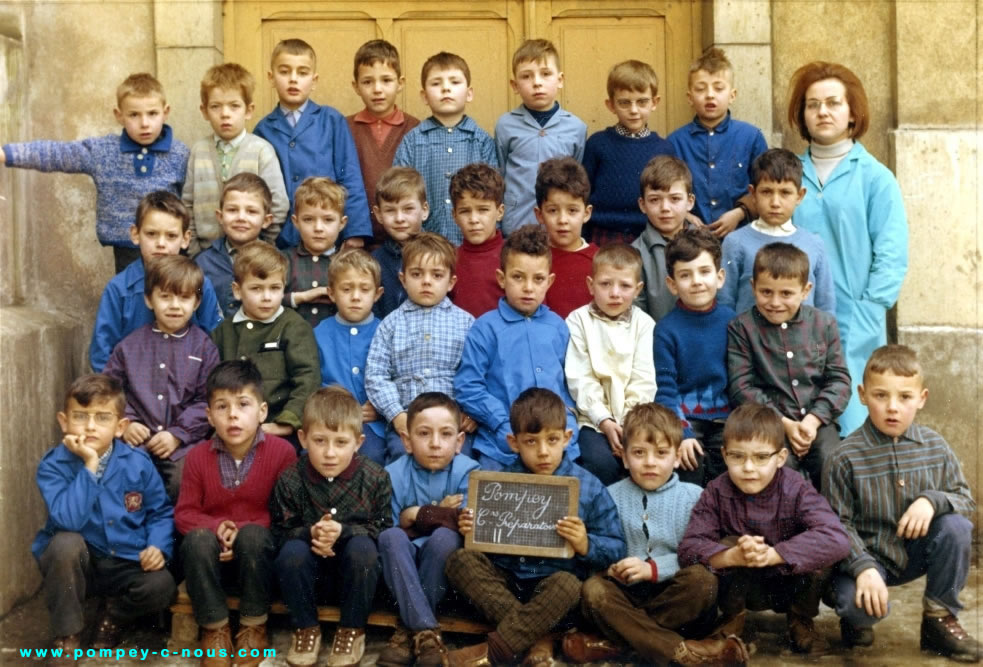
763 321
699 128
510 314
913 433
411 306
162 144
182 334
216 444
785 229
345 475
345 323
466 124
397 117
625 132
496 238
104 461
235 142
601 315
240 316
229 250
303 251
301 109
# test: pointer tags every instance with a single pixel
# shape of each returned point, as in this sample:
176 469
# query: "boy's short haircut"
782 260
753 421
777 165
688 245
647 421
176 274
322 192
251 183
354 259
228 76
712 61
163 202
234 375
294 47
856 96
258 259
527 240
535 51
97 387
537 410
895 359
632 75
444 60
140 84
398 183
335 408
479 180
662 171
619 256
432 399
429 244
377 51
564 174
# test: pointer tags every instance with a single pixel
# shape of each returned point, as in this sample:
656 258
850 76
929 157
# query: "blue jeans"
415 574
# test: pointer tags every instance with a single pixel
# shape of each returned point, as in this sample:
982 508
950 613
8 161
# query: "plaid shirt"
361 497
307 271
229 473
796 367
415 349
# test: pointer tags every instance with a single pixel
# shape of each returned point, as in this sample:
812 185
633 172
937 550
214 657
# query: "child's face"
525 280
260 297
710 95
236 415
477 218
426 280
650 464
330 451
614 289
294 77
778 299
537 83
666 210
696 282
378 85
319 227
827 112
160 234
354 292
541 452
434 438
633 108
227 112
753 464
402 219
242 217
563 215
96 424
172 311
143 117
447 93
776 200
892 400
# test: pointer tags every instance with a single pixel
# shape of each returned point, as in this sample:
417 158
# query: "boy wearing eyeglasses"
764 531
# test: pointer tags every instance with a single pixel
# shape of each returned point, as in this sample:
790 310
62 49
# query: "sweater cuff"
655 570
289 418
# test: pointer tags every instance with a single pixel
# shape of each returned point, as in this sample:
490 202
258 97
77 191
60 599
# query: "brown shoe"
65 648
583 647
250 642
945 636
216 647
304 646
803 638
541 653
470 656
399 651
109 631
728 651
347 648
429 649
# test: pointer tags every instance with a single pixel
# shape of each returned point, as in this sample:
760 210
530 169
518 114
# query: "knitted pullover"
477 290
569 291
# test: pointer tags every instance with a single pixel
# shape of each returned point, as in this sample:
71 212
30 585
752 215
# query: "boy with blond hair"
606 386
227 103
310 139
144 158
536 130
477 195
615 157
379 128
446 141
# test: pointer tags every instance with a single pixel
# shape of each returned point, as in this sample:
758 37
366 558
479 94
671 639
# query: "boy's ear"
514 86
452 282
568 434
166 112
267 220
146 300
62 421
721 277
359 440
750 189
204 112
121 426
609 105
512 442
690 202
500 278
500 212
402 279
407 443
922 397
549 281
186 239
264 410
539 215
236 291
782 456
590 285
861 394
670 283
587 211
302 437
375 211
134 235
806 290
641 204
343 222
118 115
460 441
470 96
425 208
249 110
802 195
378 293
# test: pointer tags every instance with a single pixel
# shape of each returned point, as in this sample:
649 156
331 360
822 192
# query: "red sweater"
205 503
569 291
477 289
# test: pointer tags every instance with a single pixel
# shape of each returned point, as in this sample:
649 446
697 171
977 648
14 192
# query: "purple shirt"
164 376
229 473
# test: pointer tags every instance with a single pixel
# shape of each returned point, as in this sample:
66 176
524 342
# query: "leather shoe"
944 636
585 647
728 651
854 636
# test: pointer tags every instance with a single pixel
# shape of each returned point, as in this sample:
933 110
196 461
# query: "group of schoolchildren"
691 386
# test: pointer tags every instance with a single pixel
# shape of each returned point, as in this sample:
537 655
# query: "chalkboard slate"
516 513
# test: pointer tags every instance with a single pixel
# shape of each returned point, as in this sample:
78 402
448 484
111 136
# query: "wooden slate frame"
478 477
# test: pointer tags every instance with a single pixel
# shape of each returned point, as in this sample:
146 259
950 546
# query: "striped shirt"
231 473
871 479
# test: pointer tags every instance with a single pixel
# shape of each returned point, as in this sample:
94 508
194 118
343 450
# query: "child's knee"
595 592
563 587
66 549
361 553
392 540
699 582
199 543
953 530
293 555
254 539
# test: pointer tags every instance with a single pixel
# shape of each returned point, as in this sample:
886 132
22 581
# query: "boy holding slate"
528 596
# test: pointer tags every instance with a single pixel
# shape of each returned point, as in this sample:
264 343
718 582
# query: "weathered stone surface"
180 70
752 78
740 21
182 23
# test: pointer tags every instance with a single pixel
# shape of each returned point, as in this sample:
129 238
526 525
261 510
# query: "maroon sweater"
569 290
477 289
205 503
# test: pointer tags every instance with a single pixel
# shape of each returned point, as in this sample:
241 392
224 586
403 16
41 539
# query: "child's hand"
573 530
468 424
757 553
693 220
324 534
465 521
726 223
151 559
136 434
282 430
226 534
453 500
76 445
408 516
354 242
314 294
914 523
872 593
631 570
163 444
689 450
808 428
612 431
369 413
399 425
799 446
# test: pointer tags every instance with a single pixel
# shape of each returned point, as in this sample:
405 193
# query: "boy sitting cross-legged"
429 488
764 531
224 516
163 367
900 492
526 596
328 510
477 192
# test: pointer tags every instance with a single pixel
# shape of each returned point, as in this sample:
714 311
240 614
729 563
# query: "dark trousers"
652 618
170 473
351 575
249 573
597 457
71 571
123 257
711 463
763 588
524 610
943 556
415 574
827 439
